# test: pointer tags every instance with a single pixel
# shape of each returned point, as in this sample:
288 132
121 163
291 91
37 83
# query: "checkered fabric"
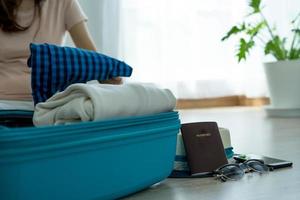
53 68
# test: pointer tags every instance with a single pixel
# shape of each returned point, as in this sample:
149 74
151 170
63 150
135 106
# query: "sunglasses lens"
257 166
232 172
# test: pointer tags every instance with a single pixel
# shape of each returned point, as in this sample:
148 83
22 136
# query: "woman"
39 21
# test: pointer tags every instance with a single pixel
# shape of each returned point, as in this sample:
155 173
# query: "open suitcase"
90 160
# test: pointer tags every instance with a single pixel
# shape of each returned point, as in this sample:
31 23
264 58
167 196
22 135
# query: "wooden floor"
251 132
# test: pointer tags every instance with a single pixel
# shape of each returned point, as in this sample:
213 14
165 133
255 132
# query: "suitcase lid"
24 143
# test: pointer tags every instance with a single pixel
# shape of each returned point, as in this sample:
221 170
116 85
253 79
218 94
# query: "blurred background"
177 44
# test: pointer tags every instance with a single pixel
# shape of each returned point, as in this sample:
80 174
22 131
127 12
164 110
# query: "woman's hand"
114 81
82 39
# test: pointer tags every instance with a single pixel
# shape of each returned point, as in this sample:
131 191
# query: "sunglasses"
236 171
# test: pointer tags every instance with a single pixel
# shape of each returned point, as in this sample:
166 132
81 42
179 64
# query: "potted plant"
283 75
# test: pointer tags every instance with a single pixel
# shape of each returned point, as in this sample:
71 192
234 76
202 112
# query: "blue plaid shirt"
53 68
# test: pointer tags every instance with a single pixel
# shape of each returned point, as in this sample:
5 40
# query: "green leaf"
234 30
294 54
294 51
255 29
296 37
244 48
255 5
275 48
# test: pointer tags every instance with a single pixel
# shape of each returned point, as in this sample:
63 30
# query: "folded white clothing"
16 105
225 136
94 101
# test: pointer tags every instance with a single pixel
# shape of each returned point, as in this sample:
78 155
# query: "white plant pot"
283 78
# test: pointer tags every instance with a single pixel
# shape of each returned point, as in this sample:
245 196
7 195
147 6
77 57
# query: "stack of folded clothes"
54 68
66 88
94 101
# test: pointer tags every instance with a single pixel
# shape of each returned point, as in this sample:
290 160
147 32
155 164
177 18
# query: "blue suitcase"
90 160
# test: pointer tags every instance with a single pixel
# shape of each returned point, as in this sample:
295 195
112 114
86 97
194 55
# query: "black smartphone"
274 163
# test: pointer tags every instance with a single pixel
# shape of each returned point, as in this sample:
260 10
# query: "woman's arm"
82 39
81 36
